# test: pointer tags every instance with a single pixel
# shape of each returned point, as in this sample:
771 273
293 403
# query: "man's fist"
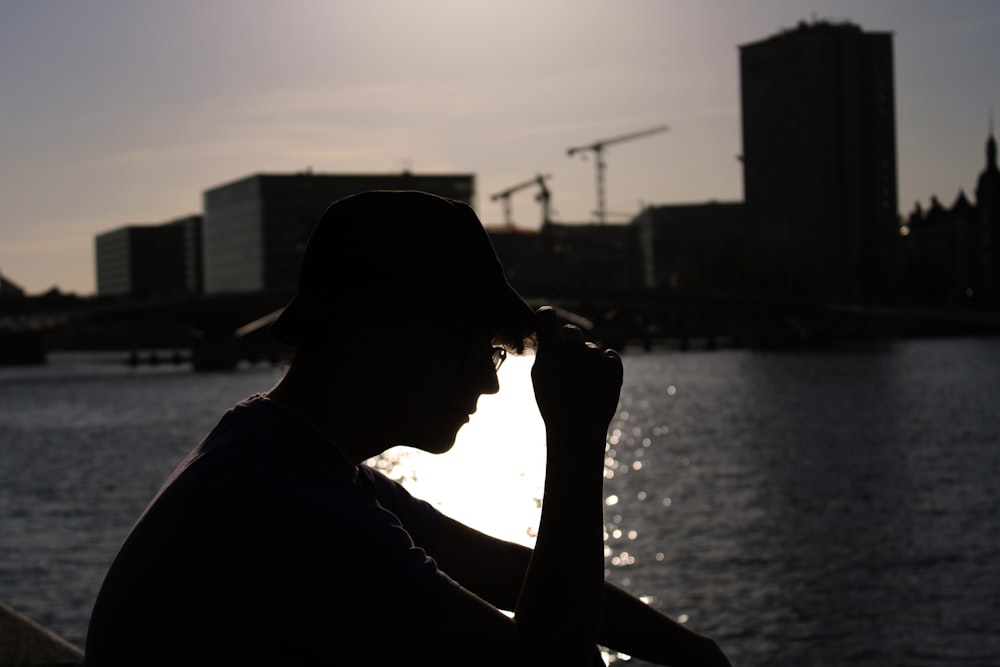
577 384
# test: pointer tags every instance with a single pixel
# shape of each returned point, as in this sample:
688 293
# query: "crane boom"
543 197
598 148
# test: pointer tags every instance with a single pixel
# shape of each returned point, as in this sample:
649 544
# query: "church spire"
991 146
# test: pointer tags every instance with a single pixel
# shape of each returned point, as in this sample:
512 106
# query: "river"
803 508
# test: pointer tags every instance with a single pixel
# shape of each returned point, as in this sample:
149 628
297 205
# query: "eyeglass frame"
498 355
471 359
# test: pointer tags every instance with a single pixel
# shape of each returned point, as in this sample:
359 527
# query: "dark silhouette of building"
950 254
192 225
9 290
256 228
150 260
939 247
819 156
988 218
562 259
693 248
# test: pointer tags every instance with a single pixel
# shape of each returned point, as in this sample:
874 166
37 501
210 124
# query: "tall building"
819 158
256 228
149 260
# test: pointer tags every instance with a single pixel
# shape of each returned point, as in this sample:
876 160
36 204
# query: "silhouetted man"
273 542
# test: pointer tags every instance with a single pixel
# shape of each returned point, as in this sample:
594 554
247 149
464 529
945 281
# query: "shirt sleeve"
420 519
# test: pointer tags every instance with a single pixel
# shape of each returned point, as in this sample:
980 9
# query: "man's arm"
633 627
577 386
493 569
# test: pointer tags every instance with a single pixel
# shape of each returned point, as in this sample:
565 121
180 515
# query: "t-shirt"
267 544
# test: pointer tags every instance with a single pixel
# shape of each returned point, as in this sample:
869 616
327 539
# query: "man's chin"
439 447
437 444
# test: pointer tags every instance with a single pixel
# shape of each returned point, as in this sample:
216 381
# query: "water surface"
804 508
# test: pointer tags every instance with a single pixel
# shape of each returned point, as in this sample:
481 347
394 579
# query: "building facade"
693 248
193 283
255 229
819 158
988 219
143 261
950 253
10 291
569 259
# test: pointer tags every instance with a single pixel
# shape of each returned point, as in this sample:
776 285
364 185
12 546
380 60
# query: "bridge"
220 330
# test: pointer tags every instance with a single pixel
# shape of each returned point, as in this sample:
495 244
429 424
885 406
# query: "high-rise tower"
819 157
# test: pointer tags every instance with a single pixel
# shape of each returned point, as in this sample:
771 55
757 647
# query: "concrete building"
693 248
149 260
256 228
819 156
569 259
192 226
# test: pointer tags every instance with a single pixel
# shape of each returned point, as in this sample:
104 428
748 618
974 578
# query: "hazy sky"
115 112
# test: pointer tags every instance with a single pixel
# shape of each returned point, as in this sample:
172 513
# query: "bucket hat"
401 248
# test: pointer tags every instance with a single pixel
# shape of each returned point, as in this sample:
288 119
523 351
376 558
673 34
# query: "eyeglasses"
498 356
473 356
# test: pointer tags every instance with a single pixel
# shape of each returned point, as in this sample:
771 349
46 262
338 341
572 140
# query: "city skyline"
118 114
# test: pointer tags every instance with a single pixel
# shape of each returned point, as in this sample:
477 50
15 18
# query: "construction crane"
598 148
543 196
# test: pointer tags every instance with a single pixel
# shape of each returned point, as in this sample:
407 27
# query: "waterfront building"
693 248
193 283
819 158
10 291
940 245
562 259
149 260
951 254
256 228
988 218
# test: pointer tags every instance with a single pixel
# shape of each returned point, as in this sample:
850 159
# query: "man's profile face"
436 372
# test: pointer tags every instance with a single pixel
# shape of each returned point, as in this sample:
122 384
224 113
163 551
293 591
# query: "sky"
114 112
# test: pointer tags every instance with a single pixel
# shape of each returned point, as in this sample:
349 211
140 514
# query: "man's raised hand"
577 383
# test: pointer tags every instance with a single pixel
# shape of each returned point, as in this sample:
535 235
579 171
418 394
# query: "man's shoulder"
258 426
255 418
258 445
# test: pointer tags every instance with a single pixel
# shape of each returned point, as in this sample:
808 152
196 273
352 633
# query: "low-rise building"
952 253
693 248
568 258
256 228
149 260
9 290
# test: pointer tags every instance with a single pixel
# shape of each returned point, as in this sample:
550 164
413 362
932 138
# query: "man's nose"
486 380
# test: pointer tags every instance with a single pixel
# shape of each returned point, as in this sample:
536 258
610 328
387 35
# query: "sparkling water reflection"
804 508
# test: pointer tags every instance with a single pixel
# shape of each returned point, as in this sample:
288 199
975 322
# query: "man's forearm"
560 601
631 626
495 569
577 386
